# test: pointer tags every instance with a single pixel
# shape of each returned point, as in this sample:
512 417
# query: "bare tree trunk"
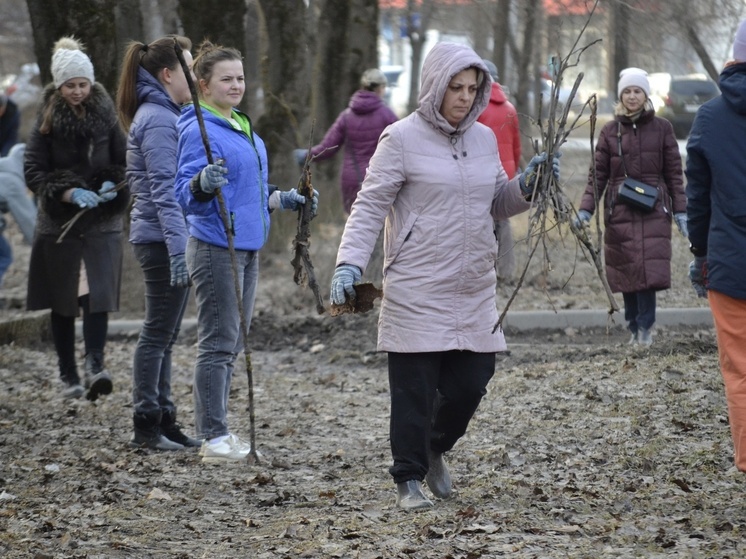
104 26
619 32
501 31
701 51
417 36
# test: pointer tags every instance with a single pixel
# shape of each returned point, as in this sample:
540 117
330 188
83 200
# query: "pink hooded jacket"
438 190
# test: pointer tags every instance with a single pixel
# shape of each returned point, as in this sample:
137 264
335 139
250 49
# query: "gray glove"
681 220
582 219
106 193
526 179
698 275
179 272
84 198
300 156
286 200
212 177
345 276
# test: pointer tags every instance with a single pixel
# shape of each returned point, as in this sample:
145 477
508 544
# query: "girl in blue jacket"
240 172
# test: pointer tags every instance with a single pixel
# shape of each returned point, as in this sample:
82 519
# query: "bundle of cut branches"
550 207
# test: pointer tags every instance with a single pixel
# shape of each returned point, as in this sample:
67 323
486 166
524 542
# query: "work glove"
526 179
107 193
698 275
292 200
84 198
179 272
582 219
681 220
212 177
345 276
300 156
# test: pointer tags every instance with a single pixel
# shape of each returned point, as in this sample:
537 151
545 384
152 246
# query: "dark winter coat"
156 216
357 128
637 245
76 153
10 122
716 184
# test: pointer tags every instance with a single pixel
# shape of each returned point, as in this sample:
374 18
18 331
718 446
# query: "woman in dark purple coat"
358 127
637 244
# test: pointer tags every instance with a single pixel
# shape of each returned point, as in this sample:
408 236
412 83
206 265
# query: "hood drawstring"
453 139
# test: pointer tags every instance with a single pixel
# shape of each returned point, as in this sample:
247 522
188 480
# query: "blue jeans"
219 338
6 256
639 310
164 309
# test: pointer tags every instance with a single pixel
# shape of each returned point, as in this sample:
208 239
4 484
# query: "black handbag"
635 193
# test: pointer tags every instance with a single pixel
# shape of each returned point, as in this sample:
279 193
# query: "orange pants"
729 315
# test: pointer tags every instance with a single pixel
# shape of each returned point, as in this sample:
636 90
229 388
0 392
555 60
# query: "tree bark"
104 26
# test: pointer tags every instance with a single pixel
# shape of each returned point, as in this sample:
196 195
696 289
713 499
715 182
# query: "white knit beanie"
739 45
633 77
69 61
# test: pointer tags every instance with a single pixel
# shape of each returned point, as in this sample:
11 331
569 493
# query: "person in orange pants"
716 181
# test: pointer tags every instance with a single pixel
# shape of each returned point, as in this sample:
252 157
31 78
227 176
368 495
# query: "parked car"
677 98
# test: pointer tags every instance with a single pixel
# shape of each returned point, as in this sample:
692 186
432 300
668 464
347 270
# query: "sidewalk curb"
522 320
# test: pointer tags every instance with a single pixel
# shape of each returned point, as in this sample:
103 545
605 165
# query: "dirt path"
583 447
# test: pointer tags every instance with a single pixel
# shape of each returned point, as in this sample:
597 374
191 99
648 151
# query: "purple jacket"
359 126
438 190
151 168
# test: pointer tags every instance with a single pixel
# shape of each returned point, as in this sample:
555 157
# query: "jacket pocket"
396 247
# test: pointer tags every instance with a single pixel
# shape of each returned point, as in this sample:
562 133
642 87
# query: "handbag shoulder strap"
619 145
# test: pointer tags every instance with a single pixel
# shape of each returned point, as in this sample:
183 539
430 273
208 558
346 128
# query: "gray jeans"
218 328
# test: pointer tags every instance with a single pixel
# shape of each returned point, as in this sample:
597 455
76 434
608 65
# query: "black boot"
148 432
69 376
438 477
172 430
97 379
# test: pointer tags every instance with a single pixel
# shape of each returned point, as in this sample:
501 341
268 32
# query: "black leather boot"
410 496
148 432
438 477
172 430
97 379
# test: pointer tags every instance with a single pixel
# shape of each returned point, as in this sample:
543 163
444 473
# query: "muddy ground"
584 447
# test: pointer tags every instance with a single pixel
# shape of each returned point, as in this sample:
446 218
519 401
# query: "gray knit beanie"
69 61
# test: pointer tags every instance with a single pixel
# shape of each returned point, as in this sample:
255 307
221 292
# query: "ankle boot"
97 379
69 376
172 430
410 496
438 477
148 432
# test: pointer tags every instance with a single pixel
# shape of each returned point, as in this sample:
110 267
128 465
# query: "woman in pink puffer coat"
437 182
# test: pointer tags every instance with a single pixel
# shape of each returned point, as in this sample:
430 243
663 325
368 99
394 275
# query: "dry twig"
548 198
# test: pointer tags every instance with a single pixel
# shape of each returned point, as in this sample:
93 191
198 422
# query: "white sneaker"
230 448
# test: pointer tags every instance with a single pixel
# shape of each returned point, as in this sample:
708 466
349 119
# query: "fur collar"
98 117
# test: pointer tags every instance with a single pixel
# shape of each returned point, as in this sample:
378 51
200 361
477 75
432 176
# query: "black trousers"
433 398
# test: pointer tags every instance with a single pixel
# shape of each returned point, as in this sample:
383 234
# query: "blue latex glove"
300 156
106 192
179 272
698 275
582 219
526 179
345 276
213 177
84 198
681 220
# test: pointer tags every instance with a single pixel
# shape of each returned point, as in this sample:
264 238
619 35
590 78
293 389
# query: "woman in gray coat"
437 182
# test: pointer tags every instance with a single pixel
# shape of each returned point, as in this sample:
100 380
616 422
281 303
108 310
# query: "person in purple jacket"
152 87
358 127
